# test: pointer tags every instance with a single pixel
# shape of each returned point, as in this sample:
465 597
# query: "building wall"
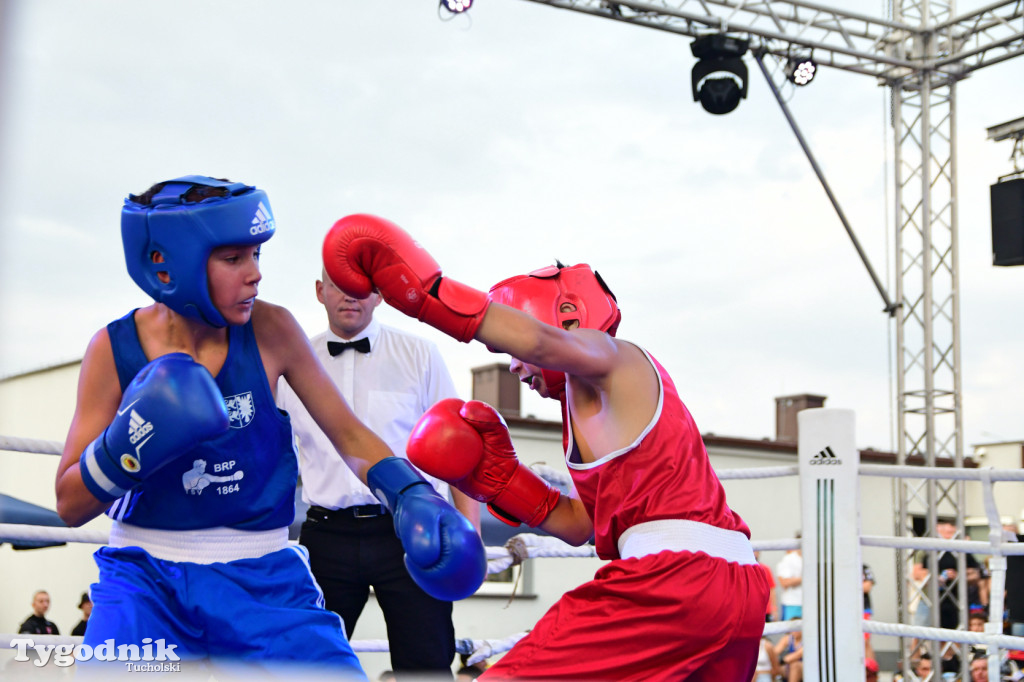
40 405
1009 495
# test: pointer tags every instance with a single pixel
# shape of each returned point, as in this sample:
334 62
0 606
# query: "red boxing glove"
363 253
467 444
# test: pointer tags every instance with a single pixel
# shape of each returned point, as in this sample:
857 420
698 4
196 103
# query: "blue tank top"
245 478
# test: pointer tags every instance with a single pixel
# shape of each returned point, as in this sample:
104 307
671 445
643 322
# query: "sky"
501 140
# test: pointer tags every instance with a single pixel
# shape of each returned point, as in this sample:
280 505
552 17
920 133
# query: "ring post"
833 604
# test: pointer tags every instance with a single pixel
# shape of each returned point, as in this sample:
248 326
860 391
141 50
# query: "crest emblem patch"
240 410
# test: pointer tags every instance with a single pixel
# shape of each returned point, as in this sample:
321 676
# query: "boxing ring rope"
477 649
529 546
25 532
39 447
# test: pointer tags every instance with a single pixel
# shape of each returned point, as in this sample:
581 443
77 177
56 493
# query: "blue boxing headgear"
185 232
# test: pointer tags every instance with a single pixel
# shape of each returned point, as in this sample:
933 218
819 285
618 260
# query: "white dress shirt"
388 388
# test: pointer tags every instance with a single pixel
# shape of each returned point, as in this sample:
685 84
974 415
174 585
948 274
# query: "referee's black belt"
360 511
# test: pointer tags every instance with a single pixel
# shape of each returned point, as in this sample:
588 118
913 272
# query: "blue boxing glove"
171 405
443 552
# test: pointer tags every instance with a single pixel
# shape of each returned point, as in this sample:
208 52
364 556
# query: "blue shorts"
264 610
790 612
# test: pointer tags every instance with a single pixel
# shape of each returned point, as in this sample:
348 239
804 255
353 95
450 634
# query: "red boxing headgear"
542 292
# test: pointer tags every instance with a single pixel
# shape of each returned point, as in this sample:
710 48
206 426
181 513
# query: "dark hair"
84 600
194 195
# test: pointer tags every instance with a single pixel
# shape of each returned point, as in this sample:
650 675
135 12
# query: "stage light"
801 71
719 77
456 6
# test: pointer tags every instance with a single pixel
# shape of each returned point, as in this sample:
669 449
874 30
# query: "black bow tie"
339 347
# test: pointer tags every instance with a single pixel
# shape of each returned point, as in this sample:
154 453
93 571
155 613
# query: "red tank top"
664 474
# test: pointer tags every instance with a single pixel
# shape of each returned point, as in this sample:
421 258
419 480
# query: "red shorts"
666 617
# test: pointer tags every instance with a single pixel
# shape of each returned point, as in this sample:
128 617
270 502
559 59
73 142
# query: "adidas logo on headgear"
263 221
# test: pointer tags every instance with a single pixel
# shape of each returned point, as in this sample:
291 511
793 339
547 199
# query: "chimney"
786 408
499 388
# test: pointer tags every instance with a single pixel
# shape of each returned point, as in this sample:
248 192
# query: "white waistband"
680 535
206 546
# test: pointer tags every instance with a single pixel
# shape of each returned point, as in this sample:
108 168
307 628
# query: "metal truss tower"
919 52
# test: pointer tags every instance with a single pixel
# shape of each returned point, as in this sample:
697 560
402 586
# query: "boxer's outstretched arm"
363 253
443 550
585 353
286 352
444 553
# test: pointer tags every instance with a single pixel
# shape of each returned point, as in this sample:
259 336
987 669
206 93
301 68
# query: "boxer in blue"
177 438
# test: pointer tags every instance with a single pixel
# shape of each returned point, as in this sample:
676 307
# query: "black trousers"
349 553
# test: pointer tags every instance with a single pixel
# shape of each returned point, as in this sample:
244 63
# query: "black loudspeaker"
1008 222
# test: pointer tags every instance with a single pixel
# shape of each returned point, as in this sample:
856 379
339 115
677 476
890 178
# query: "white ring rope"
482 649
41 447
49 447
25 532
561 478
526 545
758 472
783 627
975 547
947 473
784 544
944 635
520 547
529 546
477 649
890 470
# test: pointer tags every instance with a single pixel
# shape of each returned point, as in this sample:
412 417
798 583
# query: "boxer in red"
682 597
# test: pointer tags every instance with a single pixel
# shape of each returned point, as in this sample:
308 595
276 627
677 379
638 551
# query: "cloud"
502 141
